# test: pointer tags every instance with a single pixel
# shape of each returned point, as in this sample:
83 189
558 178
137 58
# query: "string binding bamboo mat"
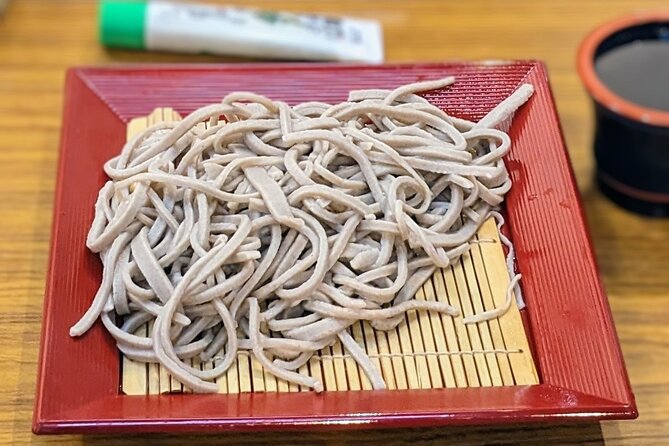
428 350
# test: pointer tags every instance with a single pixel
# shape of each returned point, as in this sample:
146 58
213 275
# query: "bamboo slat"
427 350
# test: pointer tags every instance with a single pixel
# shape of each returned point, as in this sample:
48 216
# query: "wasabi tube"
190 28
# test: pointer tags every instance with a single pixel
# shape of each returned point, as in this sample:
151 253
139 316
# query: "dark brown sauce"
638 71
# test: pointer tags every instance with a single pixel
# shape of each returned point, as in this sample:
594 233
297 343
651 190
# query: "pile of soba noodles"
255 225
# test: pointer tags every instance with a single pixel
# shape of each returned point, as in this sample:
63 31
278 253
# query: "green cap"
122 23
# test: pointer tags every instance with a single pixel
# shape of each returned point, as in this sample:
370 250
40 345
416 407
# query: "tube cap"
122 23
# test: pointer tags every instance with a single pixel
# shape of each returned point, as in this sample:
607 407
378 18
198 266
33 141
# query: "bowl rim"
597 89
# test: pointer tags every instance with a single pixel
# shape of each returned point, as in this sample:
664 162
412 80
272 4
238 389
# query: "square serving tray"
567 319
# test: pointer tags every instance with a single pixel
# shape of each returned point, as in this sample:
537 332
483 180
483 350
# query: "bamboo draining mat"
428 350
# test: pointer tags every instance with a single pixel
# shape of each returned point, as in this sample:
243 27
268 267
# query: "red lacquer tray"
568 319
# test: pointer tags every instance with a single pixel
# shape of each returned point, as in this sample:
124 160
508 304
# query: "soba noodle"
251 224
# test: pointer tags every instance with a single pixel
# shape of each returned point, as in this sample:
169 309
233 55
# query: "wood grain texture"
40 38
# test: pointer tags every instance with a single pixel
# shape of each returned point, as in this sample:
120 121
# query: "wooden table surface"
39 39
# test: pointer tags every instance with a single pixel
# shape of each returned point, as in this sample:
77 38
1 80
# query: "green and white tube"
189 28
